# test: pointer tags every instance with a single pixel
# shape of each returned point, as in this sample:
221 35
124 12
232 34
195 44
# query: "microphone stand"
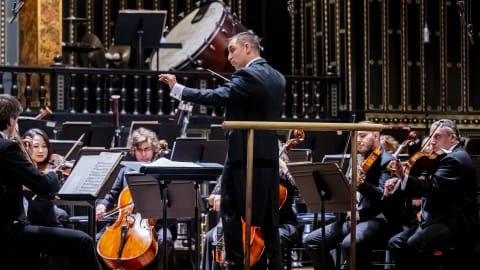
468 26
17 6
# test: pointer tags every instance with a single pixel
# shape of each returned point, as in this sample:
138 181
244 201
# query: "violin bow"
67 155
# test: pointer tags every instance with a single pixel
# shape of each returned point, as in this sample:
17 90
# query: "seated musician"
372 227
449 215
289 233
144 146
41 210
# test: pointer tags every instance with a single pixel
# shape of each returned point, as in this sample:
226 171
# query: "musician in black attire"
254 93
144 147
449 206
22 243
372 227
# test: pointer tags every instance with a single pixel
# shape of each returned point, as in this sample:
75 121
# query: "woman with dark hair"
40 209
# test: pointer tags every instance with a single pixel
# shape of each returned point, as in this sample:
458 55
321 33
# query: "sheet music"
90 174
164 162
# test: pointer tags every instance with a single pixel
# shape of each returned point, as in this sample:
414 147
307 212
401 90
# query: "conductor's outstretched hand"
168 79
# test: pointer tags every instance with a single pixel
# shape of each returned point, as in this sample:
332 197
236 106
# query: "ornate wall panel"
320 38
418 60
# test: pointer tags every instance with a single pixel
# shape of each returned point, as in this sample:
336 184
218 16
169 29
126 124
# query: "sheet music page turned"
91 173
164 162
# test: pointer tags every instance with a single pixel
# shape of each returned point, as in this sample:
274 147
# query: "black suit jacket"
17 171
255 93
450 194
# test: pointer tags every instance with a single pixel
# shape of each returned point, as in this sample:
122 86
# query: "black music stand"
140 29
331 190
188 149
164 172
62 147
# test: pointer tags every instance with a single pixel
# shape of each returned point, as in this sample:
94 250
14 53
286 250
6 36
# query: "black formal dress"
22 242
254 93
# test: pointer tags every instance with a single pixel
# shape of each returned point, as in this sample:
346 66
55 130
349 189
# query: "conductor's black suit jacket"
254 93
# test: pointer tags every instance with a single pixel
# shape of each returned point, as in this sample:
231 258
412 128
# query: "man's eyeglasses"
146 149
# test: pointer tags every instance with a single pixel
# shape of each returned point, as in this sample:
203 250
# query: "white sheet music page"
164 162
90 173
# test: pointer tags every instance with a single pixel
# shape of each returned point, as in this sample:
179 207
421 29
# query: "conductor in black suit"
449 207
21 242
254 93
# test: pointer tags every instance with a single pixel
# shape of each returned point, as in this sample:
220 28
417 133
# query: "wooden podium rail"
251 126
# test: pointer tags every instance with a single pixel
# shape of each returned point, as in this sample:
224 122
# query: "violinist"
372 226
22 241
449 215
41 210
144 147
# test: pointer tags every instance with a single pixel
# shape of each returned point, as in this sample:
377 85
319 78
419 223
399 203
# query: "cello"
257 243
131 241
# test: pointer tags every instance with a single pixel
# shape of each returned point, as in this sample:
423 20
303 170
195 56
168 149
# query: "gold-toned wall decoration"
3 33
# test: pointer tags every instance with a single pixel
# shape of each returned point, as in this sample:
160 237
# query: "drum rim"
206 42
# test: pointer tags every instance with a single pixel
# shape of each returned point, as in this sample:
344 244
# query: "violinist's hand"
169 79
27 141
390 186
396 168
100 211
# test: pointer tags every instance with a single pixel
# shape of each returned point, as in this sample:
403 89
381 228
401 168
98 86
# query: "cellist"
449 206
144 146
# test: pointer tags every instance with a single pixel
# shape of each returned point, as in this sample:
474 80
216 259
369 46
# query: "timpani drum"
204 37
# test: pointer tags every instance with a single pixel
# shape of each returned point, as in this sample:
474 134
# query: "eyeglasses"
146 149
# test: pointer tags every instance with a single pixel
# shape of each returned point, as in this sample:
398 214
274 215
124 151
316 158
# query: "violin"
367 163
298 137
423 163
131 241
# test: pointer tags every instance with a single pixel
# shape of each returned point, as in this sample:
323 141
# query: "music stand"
182 201
139 28
48 126
62 147
323 186
188 149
